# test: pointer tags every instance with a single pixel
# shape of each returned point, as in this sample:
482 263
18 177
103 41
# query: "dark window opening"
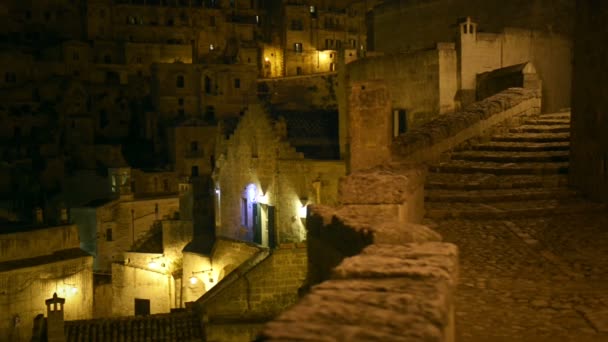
399 122
299 71
165 184
194 171
142 307
207 85
179 82
237 82
109 234
194 146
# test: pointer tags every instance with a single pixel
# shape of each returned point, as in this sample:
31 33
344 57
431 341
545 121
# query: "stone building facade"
263 184
110 227
36 262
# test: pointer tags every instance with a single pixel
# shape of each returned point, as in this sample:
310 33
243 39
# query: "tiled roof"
179 326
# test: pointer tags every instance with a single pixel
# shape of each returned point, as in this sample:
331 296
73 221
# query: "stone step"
498 195
532 137
548 122
554 116
541 129
480 181
512 157
462 166
522 146
511 209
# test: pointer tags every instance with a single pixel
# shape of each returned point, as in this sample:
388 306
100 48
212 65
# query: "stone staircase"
522 173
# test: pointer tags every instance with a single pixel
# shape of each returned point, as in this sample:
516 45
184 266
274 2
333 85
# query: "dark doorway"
271 228
142 307
257 223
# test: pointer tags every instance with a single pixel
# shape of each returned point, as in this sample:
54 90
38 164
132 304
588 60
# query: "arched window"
179 82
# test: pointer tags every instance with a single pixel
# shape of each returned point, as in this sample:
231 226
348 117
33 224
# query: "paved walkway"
533 254
532 279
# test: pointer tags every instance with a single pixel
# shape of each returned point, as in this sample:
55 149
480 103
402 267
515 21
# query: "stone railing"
427 142
375 274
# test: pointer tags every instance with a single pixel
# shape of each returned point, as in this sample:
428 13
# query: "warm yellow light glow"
262 199
153 264
266 59
74 290
193 280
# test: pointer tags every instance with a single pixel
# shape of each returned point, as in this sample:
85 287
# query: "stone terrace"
533 264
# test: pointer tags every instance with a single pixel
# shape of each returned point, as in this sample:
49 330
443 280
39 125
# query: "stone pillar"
370 125
55 325
589 141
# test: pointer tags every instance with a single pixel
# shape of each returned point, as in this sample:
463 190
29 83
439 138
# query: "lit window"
257 19
211 47
297 47
312 9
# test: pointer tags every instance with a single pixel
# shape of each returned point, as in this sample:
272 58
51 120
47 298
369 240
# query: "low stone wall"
427 142
397 282
254 293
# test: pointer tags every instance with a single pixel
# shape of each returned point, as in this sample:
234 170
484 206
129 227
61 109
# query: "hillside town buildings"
160 158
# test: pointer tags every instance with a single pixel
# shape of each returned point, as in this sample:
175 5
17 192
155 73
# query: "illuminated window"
297 47
211 47
312 9
179 82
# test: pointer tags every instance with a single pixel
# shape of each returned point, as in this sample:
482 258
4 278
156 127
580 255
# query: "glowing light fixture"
74 290
194 279
302 211
154 264
266 59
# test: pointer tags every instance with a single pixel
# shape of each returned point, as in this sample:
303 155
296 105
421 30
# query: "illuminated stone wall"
33 266
256 295
256 167
38 242
423 83
137 280
589 145
551 55
128 220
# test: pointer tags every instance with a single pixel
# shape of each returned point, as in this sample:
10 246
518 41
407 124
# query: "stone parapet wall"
382 281
427 142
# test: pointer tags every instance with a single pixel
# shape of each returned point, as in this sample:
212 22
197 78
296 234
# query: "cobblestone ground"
533 279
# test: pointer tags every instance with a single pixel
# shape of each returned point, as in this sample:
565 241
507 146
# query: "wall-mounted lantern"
194 279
